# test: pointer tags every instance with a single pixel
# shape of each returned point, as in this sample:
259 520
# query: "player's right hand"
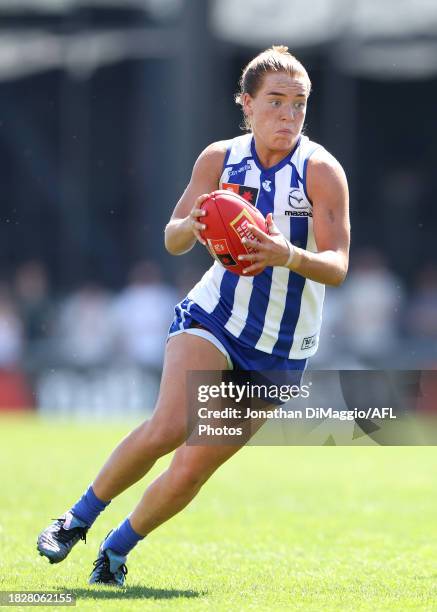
195 218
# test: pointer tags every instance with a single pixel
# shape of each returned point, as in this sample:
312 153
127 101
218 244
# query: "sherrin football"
227 219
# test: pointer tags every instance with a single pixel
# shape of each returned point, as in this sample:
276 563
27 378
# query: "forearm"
327 267
179 237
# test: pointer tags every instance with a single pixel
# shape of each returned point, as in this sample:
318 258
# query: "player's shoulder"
212 158
325 176
215 151
323 165
217 155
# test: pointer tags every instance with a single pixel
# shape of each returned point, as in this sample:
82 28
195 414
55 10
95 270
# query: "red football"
227 218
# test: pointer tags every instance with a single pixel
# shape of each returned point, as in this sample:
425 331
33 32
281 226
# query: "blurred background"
104 106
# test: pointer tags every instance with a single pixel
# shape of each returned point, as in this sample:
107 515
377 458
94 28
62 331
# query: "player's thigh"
184 353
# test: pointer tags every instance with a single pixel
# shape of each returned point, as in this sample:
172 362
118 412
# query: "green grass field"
330 528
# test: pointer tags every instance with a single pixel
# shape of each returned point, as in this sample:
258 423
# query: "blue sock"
89 507
122 539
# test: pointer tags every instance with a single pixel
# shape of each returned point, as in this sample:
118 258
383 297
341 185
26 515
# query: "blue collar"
283 162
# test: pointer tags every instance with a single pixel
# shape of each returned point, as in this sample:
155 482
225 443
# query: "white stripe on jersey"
206 293
240 149
313 296
252 176
243 291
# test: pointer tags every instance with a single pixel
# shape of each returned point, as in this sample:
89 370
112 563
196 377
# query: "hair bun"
280 48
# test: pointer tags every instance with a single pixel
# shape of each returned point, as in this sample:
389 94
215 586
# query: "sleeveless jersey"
278 311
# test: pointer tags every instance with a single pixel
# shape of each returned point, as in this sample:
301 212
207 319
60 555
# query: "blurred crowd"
91 326
373 320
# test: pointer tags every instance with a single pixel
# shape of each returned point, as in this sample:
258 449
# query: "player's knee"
188 476
162 439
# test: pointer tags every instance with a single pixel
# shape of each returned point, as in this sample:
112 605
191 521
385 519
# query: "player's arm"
187 220
328 191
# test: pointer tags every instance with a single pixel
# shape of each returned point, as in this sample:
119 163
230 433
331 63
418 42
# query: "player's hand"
272 249
195 218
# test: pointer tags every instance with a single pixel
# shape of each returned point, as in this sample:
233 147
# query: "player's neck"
270 157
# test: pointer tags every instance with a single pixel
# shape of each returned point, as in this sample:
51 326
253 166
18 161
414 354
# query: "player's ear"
246 103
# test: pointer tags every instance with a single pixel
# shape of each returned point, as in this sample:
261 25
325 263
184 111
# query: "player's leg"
166 496
166 430
137 453
190 468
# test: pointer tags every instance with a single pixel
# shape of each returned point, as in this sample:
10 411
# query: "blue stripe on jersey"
296 282
177 323
223 311
259 298
243 162
295 177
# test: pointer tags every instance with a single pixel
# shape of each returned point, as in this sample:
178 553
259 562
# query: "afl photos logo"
298 204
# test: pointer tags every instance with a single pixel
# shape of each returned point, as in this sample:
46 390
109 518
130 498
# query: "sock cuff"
96 500
132 531
123 539
89 506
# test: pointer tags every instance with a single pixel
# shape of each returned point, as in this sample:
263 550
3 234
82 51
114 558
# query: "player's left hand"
272 249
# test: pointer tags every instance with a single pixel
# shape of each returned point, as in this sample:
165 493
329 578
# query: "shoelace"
103 567
65 535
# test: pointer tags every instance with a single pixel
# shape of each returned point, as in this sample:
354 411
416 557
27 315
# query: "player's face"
277 111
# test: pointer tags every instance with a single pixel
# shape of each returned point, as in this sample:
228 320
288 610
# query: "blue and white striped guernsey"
278 311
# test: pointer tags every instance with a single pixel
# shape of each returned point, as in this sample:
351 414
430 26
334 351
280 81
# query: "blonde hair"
275 59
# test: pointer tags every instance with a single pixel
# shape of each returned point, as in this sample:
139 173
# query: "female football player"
270 321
